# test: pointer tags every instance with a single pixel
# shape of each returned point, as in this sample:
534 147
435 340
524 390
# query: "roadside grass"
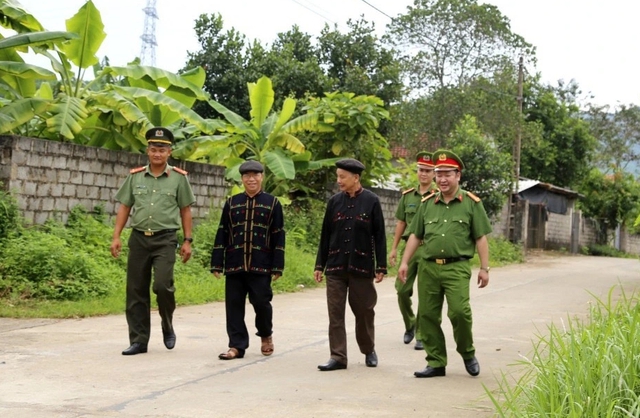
587 368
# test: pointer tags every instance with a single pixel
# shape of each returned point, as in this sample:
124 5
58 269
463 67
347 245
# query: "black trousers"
237 287
155 254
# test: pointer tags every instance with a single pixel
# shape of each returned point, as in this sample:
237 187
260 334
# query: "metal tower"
148 51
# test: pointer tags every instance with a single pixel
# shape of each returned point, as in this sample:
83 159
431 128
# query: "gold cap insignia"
160 133
442 157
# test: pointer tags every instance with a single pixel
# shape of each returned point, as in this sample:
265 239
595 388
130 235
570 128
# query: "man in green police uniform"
161 198
407 208
452 224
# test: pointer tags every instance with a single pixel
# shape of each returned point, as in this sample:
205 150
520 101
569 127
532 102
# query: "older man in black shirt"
353 241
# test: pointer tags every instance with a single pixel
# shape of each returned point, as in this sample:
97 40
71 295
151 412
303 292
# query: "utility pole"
512 208
519 134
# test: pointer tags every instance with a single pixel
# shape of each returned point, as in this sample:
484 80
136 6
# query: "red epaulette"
137 170
179 170
473 197
424 199
408 190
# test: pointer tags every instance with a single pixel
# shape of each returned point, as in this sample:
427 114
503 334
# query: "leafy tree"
618 136
349 128
357 62
488 171
562 156
611 198
450 42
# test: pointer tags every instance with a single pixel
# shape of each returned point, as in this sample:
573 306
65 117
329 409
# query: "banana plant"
113 110
268 137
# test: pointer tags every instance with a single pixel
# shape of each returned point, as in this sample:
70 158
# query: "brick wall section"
49 178
558 232
588 232
389 201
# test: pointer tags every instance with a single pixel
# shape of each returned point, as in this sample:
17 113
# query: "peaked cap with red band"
425 159
446 160
159 136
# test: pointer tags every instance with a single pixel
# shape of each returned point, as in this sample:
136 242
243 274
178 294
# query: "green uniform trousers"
435 283
405 292
157 253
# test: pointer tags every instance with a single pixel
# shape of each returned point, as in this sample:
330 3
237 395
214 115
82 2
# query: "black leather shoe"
418 345
332 365
431 372
136 348
169 339
408 335
371 359
472 366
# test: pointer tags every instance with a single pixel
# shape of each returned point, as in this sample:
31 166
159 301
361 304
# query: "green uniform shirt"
156 201
450 230
408 207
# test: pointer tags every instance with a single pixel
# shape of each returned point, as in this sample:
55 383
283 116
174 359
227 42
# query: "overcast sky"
591 41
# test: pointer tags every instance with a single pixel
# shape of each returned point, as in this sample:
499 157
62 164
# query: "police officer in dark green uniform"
452 224
407 208
161 198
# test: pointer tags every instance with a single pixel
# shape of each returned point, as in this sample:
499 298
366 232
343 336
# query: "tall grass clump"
590 368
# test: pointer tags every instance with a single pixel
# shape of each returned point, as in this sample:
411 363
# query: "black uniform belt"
447 260
154 233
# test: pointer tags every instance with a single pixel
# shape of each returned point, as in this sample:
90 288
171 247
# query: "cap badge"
442 157
160 133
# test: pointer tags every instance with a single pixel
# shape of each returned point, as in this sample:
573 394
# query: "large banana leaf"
197 148
87 23
302 123
189 84
13 16
289 142
236 120
261 97
68 115
162 101
20 112
111 101
25 71
288 107
35 38
279 163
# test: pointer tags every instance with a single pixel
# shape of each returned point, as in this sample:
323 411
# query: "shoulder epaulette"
473 197
409 190
179 170
137 170
424 199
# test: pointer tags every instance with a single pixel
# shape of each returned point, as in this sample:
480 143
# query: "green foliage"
43 266
587 368
488 172
10 220
610 198
605 251
303 224
349 128
503 252
618 135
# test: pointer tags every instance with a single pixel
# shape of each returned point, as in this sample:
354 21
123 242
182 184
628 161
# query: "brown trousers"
362 300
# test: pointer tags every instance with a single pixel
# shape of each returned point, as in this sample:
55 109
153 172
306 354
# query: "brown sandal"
267 346
230 354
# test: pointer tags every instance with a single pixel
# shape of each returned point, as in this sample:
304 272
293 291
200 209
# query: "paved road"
73 368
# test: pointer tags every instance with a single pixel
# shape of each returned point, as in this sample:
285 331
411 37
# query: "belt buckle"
441 261
148 233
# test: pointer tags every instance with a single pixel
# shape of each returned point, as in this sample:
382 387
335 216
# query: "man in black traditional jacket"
249 249
352 252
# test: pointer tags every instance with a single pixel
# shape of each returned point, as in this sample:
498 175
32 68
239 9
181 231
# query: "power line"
313 11
376 9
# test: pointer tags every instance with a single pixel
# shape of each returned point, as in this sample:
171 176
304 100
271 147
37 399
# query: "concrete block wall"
50 178
588 232
389 201
558 231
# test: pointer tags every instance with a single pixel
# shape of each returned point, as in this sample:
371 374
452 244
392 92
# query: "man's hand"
217 274
379 277
275 276
185 251
392 257
116 247
317 275
402 272
483 278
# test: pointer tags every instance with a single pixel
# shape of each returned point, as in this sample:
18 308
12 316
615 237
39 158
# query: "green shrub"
10 220
606 251
303 223
43 266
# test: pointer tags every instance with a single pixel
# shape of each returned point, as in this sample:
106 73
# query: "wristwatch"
485 269
188 239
